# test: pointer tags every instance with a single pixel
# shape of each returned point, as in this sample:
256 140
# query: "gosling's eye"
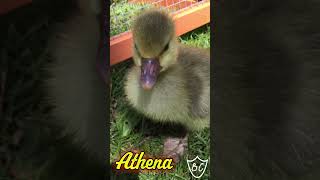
166 47
136 47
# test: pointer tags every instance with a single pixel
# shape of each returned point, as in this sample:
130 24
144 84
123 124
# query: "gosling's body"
170 82
182 92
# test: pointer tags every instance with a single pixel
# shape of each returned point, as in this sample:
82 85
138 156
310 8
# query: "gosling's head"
155 45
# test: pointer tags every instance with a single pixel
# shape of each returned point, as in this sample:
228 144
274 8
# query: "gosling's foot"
175 147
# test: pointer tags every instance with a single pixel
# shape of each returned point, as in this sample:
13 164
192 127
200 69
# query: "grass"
198 38
121 14
131 130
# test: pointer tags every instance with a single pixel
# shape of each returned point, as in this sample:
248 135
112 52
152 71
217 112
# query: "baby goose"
170 82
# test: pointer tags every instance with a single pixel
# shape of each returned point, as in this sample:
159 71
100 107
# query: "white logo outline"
204 169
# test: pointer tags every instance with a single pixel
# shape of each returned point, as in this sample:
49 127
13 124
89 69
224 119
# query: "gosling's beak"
150 69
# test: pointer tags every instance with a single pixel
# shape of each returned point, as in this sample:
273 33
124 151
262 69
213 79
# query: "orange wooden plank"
120 48
192 18
8 5
185 20
174 4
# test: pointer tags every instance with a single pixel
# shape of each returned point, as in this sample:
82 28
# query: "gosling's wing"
196 65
